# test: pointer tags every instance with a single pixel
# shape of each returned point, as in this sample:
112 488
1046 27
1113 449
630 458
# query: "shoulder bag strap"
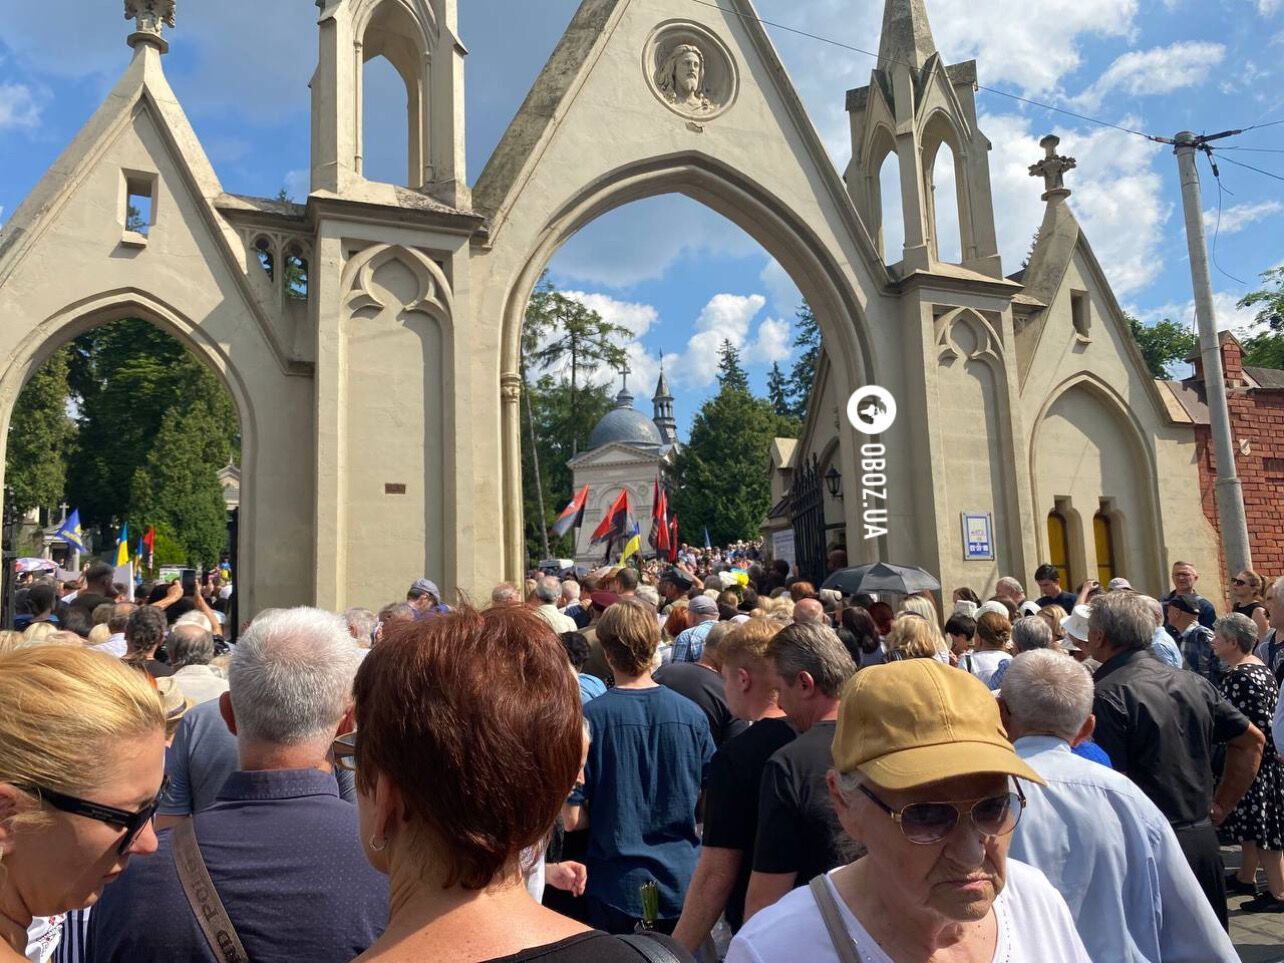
829 912
203 897
651 950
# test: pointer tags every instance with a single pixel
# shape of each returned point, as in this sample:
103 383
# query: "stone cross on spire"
1053 168
152 17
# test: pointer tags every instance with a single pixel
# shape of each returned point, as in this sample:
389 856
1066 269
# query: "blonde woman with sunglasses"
82 761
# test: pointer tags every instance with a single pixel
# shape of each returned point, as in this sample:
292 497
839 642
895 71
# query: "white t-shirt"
985 664
1034 927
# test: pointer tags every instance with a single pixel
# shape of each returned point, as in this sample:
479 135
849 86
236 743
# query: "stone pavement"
1259 937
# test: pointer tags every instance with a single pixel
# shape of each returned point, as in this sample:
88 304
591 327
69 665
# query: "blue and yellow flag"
633 545
71 533
122 546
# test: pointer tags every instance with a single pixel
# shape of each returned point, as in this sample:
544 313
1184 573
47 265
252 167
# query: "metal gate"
807 513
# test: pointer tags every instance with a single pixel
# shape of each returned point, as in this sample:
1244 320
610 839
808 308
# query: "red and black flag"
572 516
660 524
617 523
673 539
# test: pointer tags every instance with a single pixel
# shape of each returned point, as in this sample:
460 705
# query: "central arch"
802 254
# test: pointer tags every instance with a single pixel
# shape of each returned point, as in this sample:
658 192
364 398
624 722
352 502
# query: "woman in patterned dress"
1257 823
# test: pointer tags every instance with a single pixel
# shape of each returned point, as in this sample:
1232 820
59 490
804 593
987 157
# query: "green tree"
125 378
803 375
1264 339
1162 344
176 489
778 391
721 483
41 436
731 372
563 335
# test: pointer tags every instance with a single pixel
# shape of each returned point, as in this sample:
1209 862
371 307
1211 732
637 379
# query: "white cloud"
785 296
1159 70
773 344
641 241
1230 317
1268 7
727 317
298 184
1235 219
18 107
639 319
1118 196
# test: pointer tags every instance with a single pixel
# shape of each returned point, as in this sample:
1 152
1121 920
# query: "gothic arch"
805 257
1141 551
76 318
357 281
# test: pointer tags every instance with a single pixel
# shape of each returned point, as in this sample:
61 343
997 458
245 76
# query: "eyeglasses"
132 822
930 822
344 751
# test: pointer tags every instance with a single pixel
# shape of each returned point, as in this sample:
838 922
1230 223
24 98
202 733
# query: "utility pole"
1229 493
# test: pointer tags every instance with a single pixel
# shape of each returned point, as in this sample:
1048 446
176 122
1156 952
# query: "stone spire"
1052 169
907 36
152 16
662 402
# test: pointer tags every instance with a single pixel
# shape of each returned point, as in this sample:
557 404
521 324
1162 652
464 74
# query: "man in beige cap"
925 778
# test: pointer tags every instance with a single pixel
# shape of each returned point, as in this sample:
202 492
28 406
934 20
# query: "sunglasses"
344 751
930 822
1239 581
132 822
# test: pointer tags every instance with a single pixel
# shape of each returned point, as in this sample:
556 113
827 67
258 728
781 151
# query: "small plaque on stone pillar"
394 488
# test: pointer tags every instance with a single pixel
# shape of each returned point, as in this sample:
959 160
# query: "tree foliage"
41 433
721 476
1263 340
1162 344
803 375
129 378
731 371
176 489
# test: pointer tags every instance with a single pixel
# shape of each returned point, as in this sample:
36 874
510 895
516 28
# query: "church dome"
626 425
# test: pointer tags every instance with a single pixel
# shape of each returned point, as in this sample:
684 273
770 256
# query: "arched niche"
1088 451
971 386
945 188
402 33
397 350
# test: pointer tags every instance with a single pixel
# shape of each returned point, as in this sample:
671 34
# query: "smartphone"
188 579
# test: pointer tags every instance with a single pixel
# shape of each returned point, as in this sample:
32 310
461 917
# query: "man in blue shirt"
689 645
283 850
1128 885
649 755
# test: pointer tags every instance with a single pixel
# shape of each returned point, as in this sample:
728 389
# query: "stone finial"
1053 168
152 16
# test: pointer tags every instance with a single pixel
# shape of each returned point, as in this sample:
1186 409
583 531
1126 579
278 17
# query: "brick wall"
1257 417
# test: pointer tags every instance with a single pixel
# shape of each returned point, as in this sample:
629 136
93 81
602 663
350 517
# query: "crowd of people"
707 760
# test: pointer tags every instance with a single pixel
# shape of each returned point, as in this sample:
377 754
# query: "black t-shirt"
798 831
1066 600
730 815
706 689
593 947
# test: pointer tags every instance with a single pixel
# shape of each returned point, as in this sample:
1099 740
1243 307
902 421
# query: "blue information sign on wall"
978 536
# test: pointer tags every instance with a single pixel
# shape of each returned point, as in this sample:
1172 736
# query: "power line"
1256 150
1231 160
990 90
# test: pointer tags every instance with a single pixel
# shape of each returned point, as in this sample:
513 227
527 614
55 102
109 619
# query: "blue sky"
241 70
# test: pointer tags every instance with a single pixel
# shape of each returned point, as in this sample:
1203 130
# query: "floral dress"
1259 817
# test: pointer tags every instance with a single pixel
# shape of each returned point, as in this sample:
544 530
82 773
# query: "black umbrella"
882 577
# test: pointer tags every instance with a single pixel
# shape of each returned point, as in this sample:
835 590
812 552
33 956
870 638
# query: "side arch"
80 316
1140 532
